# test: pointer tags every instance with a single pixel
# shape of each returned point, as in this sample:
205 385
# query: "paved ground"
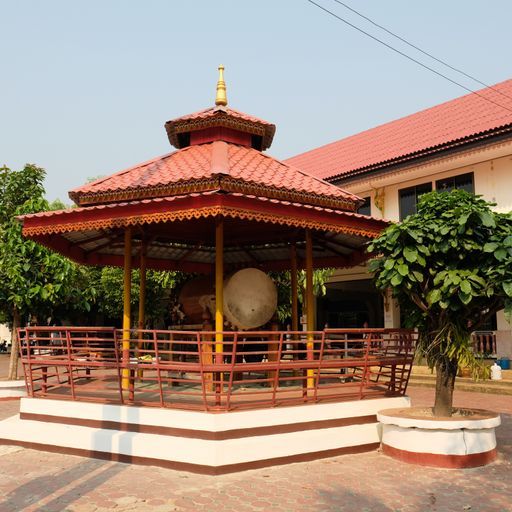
38 481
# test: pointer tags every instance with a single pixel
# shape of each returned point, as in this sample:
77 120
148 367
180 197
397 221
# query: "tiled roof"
219 111
220 116
454 121
217 165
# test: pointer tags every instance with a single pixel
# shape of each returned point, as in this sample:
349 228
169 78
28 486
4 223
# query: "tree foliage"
450 268
108 282
282 281
34 279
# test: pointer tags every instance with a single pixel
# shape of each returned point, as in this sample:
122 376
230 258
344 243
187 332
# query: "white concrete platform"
198 441
12 388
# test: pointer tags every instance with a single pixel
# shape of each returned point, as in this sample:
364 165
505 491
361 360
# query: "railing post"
70 366
201 353
273 349
364 378
118 366
282 340
158 372
232 370
29 380
320 361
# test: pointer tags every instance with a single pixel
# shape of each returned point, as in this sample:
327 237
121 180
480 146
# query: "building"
464 143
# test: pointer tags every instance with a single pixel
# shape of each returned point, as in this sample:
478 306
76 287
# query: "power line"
407 56
444 63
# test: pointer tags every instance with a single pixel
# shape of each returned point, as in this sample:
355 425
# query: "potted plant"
450 268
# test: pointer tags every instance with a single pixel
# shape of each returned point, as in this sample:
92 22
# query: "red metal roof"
214 166
456 120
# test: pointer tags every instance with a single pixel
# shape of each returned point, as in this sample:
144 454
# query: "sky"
87 85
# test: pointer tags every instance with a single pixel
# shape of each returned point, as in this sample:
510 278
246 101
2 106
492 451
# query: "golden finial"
221 98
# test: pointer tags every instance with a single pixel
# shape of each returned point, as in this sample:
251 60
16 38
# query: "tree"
450 268
282 281
34 279
108 281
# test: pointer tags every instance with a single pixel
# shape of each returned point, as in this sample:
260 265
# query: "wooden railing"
189 370
484 343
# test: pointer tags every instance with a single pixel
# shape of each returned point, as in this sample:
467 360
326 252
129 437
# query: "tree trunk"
15 346
446 371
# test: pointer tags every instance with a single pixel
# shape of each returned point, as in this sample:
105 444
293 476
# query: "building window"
366 207
461 182
409 197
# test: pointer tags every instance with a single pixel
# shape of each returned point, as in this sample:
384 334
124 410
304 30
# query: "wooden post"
142 302
142 288
219 295
295 288
295 303
310 306
127 289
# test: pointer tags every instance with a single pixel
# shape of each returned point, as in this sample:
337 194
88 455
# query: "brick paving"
44 482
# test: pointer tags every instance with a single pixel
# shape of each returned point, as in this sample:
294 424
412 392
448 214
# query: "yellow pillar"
295 289
219 284
310 305
142 287
127 288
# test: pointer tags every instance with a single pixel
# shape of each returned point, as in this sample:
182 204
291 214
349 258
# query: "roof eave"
456 145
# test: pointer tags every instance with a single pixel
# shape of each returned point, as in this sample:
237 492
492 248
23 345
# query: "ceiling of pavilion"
189 245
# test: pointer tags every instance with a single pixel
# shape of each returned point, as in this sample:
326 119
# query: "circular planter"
465 440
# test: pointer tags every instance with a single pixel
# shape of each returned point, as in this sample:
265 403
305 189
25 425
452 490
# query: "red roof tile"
455 120
220 116
216 165
219 111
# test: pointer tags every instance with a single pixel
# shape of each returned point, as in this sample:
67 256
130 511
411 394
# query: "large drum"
250 299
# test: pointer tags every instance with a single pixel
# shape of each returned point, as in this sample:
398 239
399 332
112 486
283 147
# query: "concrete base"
12 388
197 441
447 443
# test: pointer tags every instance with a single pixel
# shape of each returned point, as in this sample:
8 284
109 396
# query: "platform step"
196 441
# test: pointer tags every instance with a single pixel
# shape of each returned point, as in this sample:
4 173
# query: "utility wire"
407 56
444 63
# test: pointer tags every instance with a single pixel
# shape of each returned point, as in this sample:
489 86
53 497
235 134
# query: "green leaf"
487 219
374 265
507 287
396 279
389 264
434 296
500 254
403 269
463 219
465 287
418 276
465 297
490 247
410 254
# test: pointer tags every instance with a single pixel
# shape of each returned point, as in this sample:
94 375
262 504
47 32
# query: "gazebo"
216 205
